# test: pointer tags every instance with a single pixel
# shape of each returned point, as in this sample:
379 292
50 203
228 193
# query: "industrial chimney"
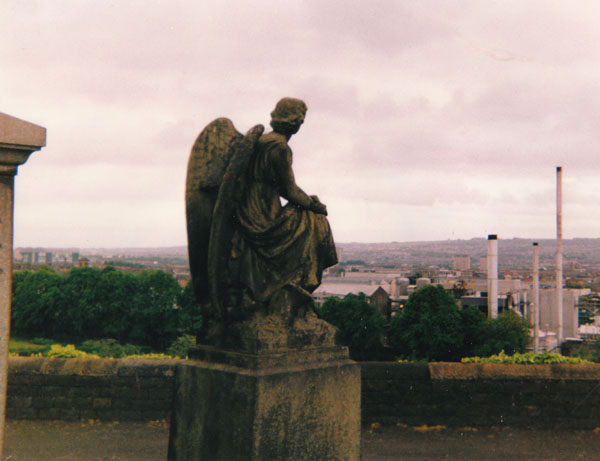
492 276
559 257
536 297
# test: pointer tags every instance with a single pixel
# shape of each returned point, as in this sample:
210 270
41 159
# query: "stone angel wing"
218 160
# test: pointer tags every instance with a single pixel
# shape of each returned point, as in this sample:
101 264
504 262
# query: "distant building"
83 262
483 263
378 294
461 263
422 281
548 312
381 299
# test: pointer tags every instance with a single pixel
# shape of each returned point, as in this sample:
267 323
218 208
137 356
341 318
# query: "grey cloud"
382 26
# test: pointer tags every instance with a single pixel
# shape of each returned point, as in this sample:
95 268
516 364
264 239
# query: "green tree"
38 302
89 303
190 312
359 324
429 327
155 310
117 292
472 320
84 310
509 333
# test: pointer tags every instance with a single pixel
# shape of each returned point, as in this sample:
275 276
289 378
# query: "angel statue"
254 261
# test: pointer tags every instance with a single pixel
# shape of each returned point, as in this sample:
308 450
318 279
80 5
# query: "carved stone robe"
282 245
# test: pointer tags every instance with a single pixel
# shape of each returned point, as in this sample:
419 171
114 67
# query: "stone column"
18 139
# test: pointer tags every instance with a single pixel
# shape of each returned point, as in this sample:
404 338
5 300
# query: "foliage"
429 327
472 320
359 323
509 332
588 351
190 315
151 356
433 327
526 358
68 351
181 346
109 348
147 309
154 310
89 349
37 301
42 341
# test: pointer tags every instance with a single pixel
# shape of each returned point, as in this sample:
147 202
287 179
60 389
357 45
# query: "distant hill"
516 251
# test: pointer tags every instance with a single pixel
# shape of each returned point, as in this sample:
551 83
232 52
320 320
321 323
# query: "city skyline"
427 121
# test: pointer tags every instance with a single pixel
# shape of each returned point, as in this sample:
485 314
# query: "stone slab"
17 132
268 359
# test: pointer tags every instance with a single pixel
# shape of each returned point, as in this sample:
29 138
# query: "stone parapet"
79 389
456 394
481 394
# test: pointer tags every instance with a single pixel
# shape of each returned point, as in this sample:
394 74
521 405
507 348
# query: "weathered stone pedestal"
267 405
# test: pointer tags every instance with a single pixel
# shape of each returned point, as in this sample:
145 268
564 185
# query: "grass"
20 346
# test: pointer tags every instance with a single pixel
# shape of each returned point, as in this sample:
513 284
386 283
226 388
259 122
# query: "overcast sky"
427 120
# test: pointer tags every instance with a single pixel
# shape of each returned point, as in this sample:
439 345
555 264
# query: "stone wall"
450 394
456 394
81 389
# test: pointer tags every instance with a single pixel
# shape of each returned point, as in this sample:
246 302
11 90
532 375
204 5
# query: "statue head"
288 116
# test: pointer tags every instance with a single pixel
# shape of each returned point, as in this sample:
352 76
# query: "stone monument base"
270 405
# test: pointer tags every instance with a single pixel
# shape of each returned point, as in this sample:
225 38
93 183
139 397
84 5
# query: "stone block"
575 371
129 415
102 402
88 414
277 406
14 131
147 368
108 414
396 371
69 414
132 392
17 401
21 413
82 403
48 413
50 402
22 390
156 415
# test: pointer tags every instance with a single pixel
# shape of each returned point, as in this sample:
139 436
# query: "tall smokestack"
559 256
536 297
492 276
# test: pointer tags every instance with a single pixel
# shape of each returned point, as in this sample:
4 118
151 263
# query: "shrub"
181 346
151 356
68 351
526 358
588 351
359 324
109 348
509 332
42 341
